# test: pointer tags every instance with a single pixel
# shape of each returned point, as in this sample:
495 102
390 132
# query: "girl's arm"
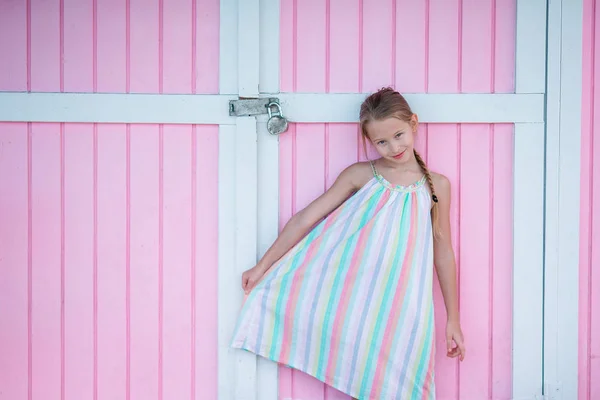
345 185
446 267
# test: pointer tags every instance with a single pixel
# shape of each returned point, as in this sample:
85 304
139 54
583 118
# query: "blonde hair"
386 103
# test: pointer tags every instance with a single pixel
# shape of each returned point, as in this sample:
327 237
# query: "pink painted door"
108 232
423 46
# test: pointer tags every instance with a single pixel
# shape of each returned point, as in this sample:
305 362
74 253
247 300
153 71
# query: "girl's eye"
380 142
399 134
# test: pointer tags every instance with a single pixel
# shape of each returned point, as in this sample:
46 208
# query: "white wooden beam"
528 253
530 76
268 169
529 202
245 158
301 107
248 47
565 25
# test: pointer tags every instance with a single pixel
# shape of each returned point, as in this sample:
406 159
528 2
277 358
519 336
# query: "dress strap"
373 168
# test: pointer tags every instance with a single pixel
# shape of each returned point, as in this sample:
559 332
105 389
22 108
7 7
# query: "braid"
434 209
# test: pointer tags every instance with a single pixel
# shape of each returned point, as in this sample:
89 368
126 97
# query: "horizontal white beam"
115 108
297 107
432 108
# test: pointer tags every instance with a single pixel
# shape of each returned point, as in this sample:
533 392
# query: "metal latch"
276 124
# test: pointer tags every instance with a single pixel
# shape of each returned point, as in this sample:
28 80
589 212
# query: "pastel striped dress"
352 303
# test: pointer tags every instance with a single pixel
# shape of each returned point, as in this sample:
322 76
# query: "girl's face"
393 138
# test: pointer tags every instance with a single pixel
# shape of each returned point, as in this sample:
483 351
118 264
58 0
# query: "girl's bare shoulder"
357 174
441 183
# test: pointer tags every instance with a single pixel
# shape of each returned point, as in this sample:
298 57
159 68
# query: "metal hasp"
276 124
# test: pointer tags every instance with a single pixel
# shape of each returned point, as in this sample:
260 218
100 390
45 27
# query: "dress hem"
263 354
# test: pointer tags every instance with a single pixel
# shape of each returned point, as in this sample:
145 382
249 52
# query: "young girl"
350 300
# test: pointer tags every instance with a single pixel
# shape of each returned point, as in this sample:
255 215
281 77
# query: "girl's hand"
251 277
454 333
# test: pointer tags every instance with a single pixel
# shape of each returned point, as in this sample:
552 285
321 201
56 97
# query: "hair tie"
434 198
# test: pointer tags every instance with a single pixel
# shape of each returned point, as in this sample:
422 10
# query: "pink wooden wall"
419 46
589 278
108 253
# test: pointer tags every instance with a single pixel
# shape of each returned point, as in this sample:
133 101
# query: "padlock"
277 123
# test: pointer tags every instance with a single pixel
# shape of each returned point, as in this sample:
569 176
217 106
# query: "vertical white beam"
552 190
228 47
530 66
246 197
248 47
563 190
227 273
268 168
528 260
528 228
269 46
268 229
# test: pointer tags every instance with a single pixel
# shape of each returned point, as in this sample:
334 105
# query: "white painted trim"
228 283
300 107
228 47
552 194
115 108
529 198
563 195
248 47
433 108
528 236
245 157
530 76
268 169
268 230
269 46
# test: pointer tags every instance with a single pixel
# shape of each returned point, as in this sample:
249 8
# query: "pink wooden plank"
502 259
177 46
47 351
476 258
377 41
144 34
205 43
177 300
594 235
311 46
443 157
45 46
411 45
113 265
111 45
504 39
14 244
78 59
13 45
444 46
287 48
309 182
588 272
587 199
80 264
144 253
343 46
477 46
341 149
205 261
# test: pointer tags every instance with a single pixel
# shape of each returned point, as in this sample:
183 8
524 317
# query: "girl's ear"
414 122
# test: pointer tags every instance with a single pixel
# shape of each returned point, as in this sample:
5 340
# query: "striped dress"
352 304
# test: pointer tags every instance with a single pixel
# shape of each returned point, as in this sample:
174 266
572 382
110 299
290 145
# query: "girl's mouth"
399 156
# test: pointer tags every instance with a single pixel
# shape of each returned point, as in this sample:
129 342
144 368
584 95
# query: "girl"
350 301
